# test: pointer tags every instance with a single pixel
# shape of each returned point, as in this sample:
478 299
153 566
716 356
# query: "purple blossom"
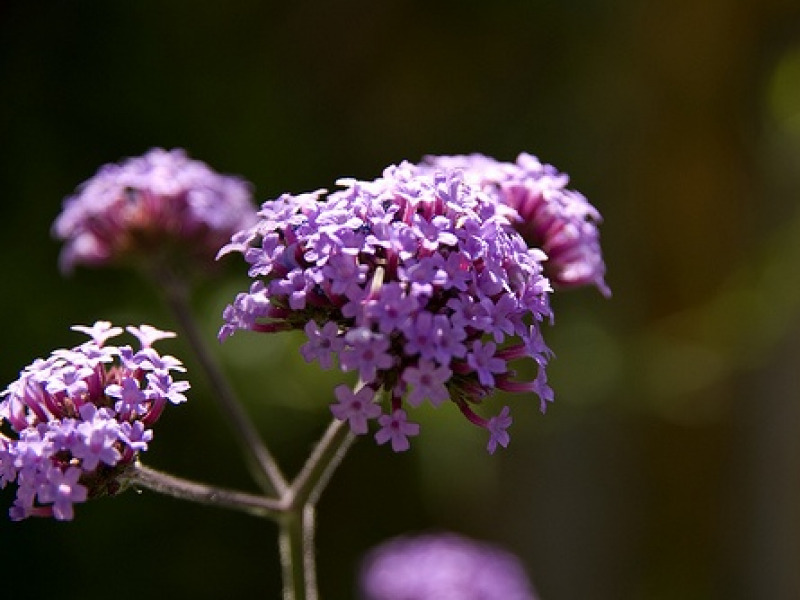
502 314
262 259
162 386
366 352
391 307
95 437
355 407
131 398
442 566
144 204
434 232
483 361
428 381
100 332
397 429
69 430
420 281
135 435
62 490
344 272
149 359
497 427
424 274
295 286
420 335
70 380
148 335
559 221
323 344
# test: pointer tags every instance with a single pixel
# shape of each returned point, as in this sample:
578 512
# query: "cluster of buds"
417 281
72 423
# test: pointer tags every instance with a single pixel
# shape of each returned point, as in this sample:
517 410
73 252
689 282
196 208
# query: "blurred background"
669 465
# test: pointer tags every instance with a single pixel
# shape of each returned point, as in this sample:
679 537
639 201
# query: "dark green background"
669 466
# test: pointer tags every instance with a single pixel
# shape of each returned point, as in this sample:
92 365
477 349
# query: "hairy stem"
315 474
298 556
297 526
141 476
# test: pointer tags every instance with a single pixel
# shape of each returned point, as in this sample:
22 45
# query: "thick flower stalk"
417 282
160 203
442 566
72 424
558 220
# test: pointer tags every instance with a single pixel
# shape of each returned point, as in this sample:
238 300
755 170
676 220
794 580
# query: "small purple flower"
483 361
391 307
420 335
149 359
145 204
95 437
366 352
135 435
428 381
148 335
355 407
295 286
442 566
100 332
70 380
344 272
397 429
424 275
323 344
74 422
162 386
62 490
497 427
131 398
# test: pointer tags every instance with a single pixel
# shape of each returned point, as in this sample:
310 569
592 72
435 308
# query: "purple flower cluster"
442 567
415 281
559 221
161 201
72 423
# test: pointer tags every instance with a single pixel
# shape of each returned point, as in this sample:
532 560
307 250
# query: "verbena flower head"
157 203
72 423
415 281
442 567
558 220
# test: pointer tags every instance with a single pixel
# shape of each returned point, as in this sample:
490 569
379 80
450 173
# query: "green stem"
263 466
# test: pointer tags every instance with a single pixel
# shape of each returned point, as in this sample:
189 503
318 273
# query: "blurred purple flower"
442 566
160 202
